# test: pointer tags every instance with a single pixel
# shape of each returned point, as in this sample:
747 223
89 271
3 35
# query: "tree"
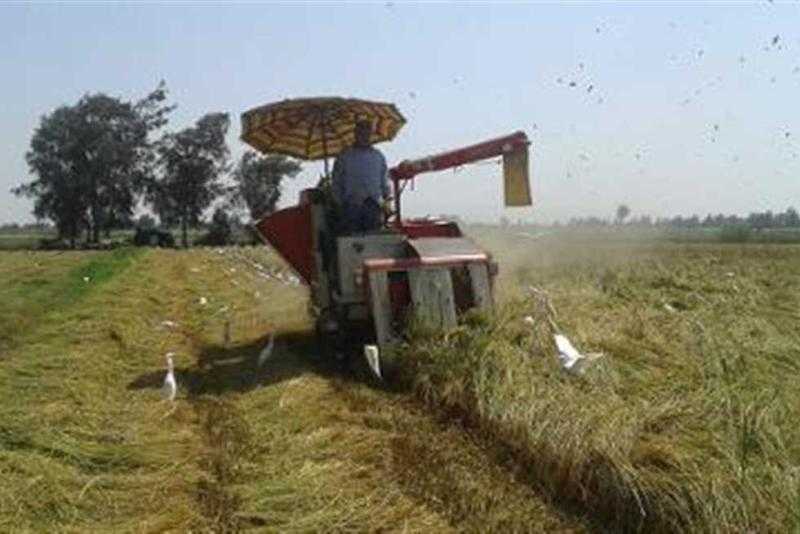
258 182
622 213
791 217
192 161
92 161
146 221
220 230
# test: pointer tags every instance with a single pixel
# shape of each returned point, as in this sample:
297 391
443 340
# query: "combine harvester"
366 287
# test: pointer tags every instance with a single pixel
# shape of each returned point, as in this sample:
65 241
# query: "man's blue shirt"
360 173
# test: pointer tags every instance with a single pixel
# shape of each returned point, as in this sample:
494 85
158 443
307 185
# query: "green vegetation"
73 450
735 233
192 162
94 162
687 423
37 284
18 241
32 240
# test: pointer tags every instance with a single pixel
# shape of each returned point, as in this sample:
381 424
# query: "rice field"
299 445
685 423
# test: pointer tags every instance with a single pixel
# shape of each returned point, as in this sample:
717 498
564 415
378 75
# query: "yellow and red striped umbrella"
317 128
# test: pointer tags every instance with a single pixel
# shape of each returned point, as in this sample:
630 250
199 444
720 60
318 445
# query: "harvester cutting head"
366 287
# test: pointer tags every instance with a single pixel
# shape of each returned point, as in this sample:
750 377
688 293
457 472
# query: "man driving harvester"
368 287
360 183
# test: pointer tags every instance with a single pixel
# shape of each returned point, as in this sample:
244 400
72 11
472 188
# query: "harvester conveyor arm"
406 170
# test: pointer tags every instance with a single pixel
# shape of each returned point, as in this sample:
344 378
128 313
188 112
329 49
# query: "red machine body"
427 263
290 230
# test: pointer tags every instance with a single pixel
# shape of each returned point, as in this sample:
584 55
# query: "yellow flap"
515 177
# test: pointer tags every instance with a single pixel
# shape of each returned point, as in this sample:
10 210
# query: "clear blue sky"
689 108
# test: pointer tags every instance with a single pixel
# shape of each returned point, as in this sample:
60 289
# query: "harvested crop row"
687 423
81 447
37 283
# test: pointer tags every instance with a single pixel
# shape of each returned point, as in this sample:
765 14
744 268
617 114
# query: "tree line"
790 218
96 162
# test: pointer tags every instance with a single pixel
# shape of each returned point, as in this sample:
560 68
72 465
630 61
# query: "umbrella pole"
326 165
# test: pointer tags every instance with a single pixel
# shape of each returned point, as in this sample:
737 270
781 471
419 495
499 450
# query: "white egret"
572 360
266 352
372 356
170 387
